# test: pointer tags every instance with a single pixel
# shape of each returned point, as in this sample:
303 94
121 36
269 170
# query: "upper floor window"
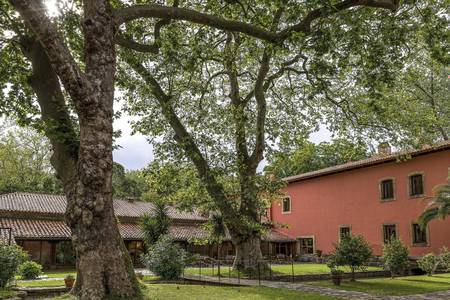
389 232
344 231
286 205
387 189
419 235
416 185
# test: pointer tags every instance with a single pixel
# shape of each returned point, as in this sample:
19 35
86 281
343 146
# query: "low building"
36 222
379 197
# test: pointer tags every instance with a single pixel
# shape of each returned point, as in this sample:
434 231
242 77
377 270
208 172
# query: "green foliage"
445 258
25 161
428 263
395 257
165 259
127 184
352 251
438 204
30 270
10 259
156 223
306 156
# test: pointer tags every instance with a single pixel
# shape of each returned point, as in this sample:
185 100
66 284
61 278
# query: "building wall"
319 206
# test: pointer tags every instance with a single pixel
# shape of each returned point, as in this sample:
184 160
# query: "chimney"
384 148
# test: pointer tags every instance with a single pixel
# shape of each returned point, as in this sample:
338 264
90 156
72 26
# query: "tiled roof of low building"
56 205
58 230
375 160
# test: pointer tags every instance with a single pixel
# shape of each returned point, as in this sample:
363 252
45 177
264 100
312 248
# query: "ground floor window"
389 232
419 235
281 248
306 245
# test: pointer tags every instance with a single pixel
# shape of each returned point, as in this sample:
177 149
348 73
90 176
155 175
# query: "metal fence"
221 271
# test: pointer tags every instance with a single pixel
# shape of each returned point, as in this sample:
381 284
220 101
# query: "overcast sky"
136 152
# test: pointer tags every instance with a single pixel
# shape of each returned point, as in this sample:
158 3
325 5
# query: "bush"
353 251
395 257
428 263
165 259
445 259
10 259
30 270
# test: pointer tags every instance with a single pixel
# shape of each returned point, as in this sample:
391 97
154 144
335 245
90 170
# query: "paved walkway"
348 295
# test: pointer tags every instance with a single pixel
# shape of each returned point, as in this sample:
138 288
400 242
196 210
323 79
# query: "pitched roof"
56 205
372 161
58 230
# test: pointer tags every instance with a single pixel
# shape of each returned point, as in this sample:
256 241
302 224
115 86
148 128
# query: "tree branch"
73 79
183 14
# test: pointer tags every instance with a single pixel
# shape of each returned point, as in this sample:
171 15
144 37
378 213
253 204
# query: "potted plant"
336 276
319 256
69 280
140 275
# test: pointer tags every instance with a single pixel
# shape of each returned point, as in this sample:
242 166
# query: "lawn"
199 292
7 293
40 283
299 269
394 287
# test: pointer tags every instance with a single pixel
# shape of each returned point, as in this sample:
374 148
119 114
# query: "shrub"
353 251
10 259
445 259
30 270
165 259
395 257
428 263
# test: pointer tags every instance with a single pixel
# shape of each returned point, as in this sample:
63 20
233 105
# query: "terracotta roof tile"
375 160
276 236
56 205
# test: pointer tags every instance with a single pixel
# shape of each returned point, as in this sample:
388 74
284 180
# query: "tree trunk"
248 254
104 267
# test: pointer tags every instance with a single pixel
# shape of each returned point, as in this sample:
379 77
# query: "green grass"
198 292
7 293
394 287
41 283
299 269
60 273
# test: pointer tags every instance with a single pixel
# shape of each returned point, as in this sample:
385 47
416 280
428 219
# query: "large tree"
222 99
67 65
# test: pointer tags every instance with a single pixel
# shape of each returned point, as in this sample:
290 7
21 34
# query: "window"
286 205
281 248
344 231
419 236
306 245
387 189
416 185
389 232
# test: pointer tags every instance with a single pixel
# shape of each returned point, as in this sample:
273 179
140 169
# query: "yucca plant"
438 205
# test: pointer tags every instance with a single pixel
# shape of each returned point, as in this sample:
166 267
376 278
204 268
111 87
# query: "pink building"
377 197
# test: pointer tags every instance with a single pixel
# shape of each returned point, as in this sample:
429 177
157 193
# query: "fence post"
270 267
292 264
200 271
259 274
218 270
239 275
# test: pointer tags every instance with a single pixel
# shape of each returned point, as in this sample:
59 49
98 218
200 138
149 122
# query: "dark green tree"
156 223
305 156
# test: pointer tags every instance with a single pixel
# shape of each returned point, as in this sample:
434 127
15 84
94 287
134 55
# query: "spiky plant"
438 205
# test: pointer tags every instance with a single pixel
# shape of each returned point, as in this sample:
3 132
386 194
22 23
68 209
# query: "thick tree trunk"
104 267
249 257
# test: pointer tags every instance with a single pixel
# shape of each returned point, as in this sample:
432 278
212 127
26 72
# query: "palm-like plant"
439 204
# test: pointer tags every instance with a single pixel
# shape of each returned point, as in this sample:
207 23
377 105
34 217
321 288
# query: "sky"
135 152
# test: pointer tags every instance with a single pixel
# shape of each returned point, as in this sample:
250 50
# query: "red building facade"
379 197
